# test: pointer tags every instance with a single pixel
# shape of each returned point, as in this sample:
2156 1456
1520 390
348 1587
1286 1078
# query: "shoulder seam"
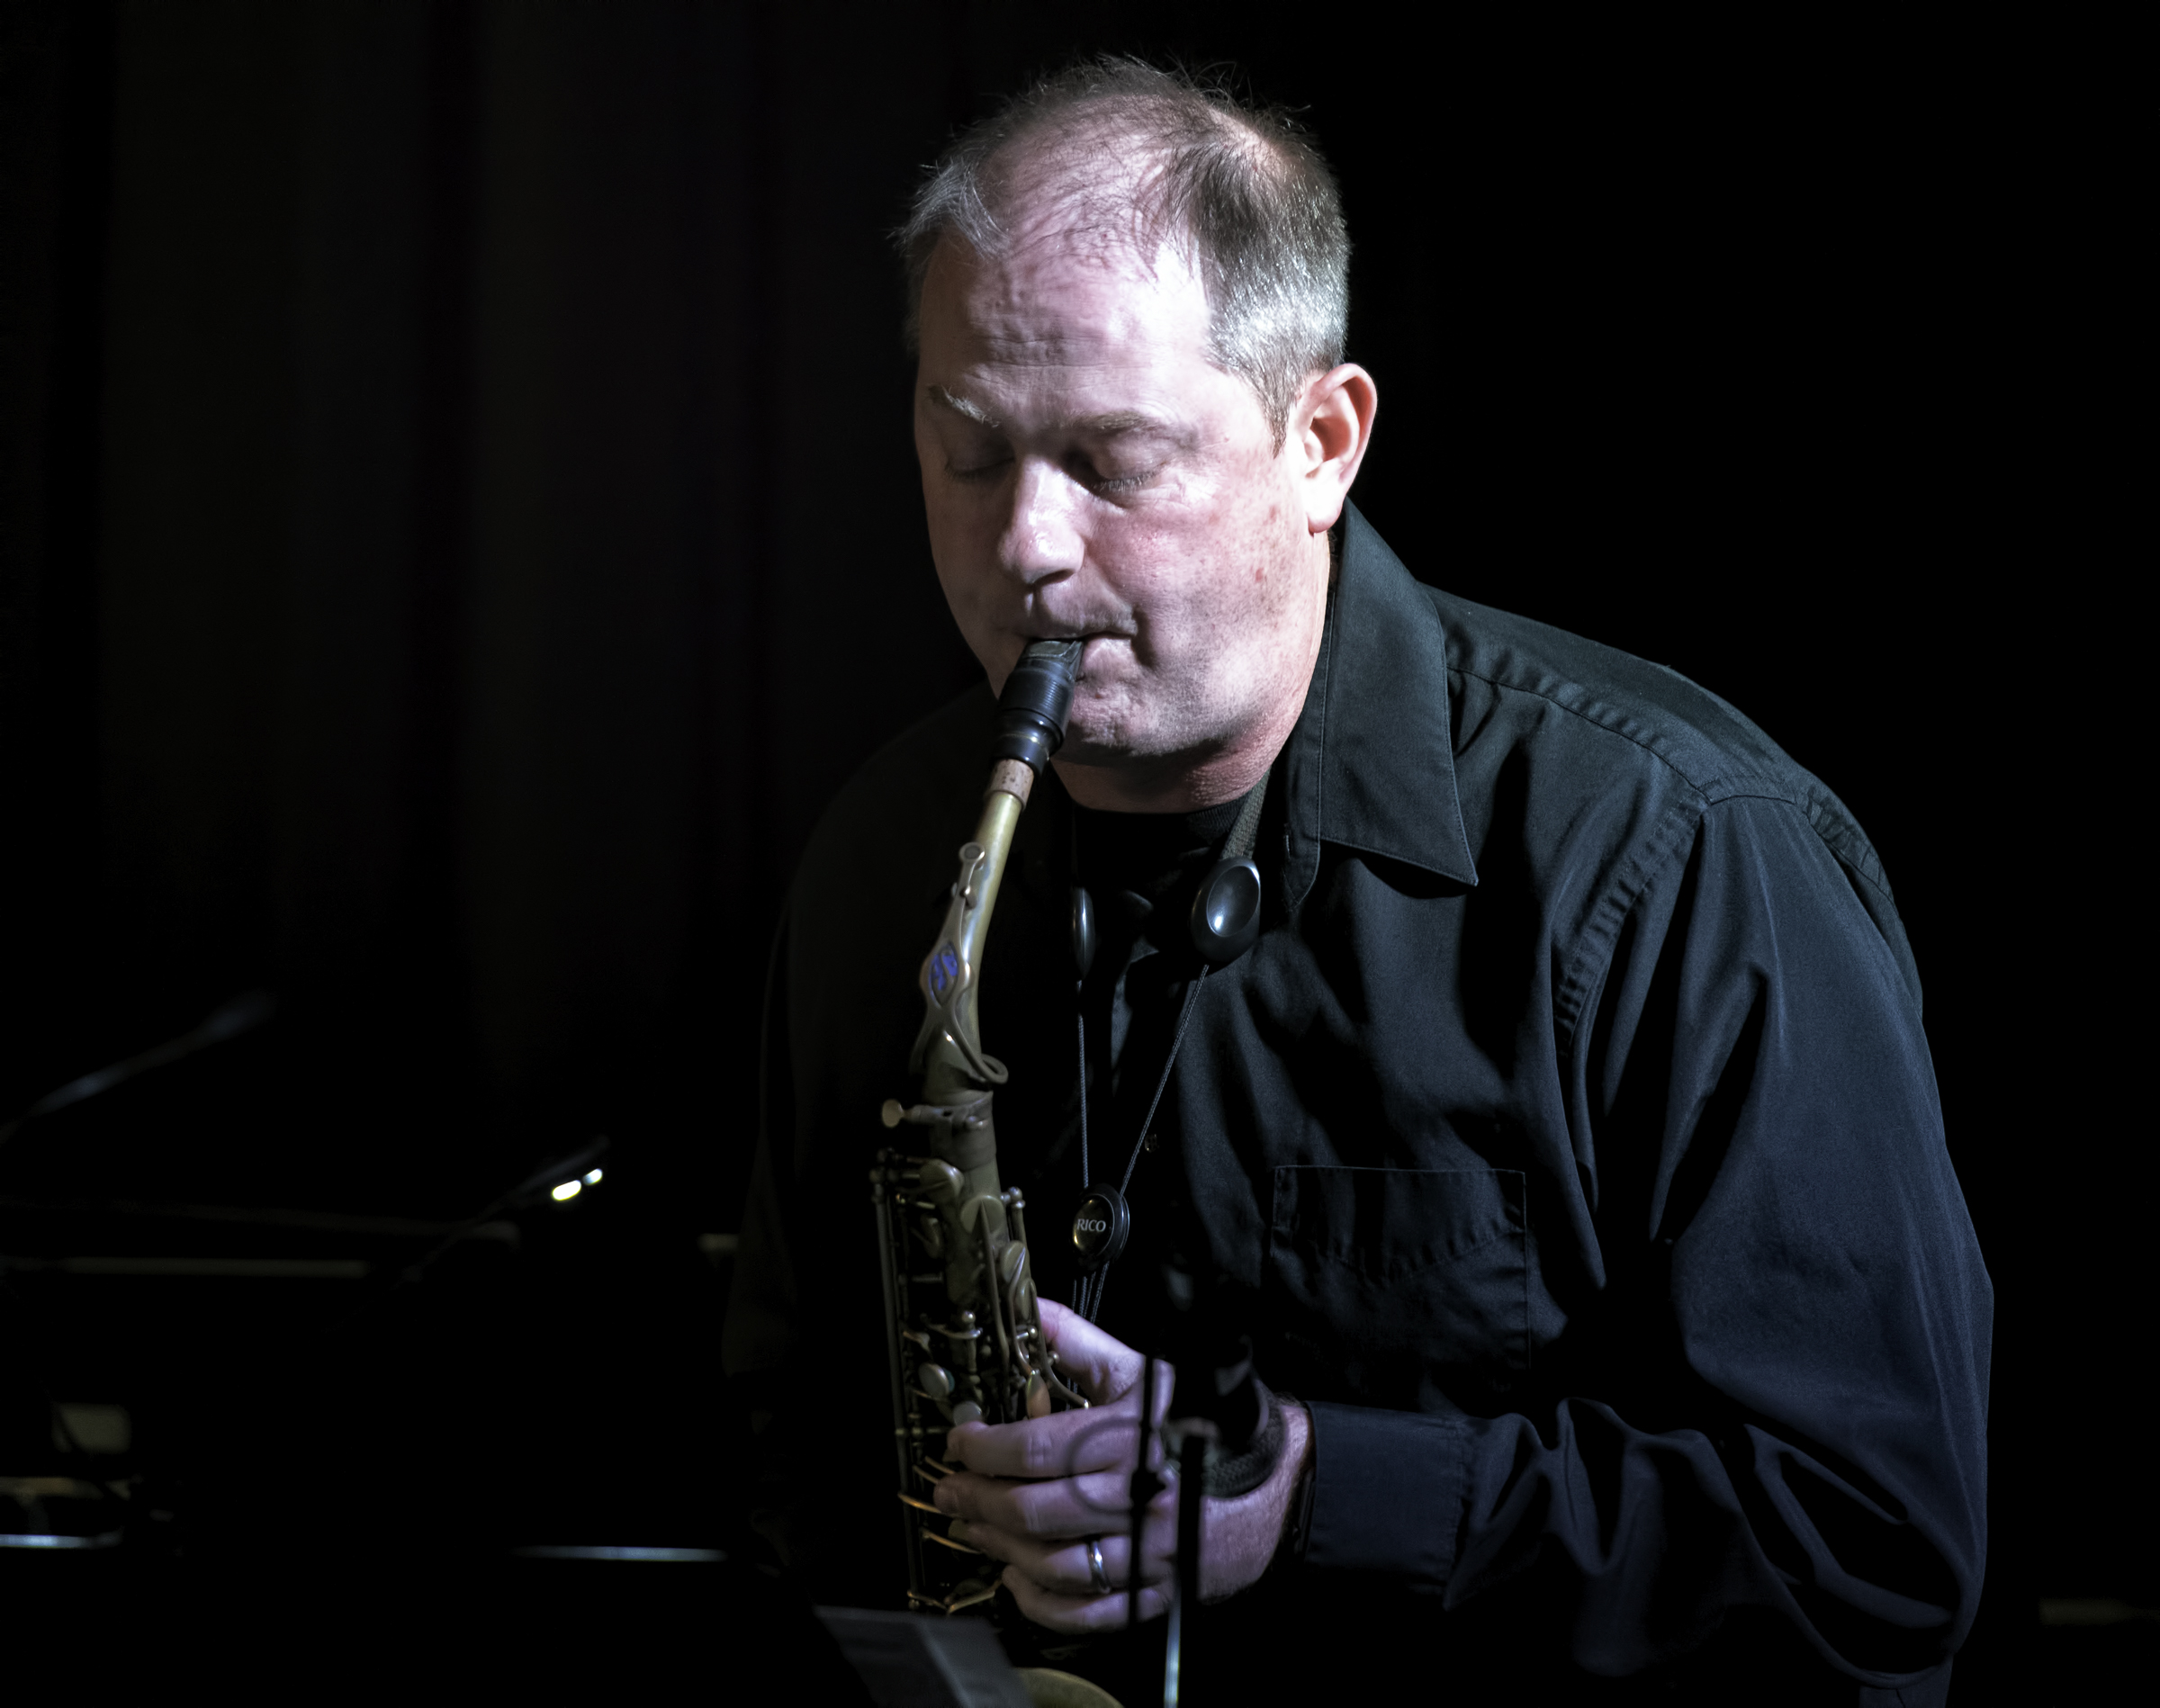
1710 792
1587 969
1816 800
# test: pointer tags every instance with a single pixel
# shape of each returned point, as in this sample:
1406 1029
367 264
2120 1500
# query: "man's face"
1087 473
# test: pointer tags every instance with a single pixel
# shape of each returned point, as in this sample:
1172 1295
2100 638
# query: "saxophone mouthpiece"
1031 712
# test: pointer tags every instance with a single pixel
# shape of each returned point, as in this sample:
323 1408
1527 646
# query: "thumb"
1107 1368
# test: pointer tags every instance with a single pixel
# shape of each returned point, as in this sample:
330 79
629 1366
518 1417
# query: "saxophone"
964 1338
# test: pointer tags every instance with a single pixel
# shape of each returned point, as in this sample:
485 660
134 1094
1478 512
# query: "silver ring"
1094 1566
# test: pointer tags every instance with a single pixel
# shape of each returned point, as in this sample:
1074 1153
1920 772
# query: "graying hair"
1243 187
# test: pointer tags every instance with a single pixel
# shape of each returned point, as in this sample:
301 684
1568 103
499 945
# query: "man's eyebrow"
974 411
1103 427
1097 427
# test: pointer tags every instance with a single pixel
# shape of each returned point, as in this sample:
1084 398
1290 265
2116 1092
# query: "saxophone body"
964 1335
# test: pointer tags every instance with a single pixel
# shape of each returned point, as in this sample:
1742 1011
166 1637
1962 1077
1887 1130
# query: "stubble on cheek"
1218 626
966 566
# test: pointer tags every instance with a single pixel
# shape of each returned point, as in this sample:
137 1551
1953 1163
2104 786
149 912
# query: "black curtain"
461 526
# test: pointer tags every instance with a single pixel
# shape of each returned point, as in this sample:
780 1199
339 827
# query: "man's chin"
1119 752
1079 750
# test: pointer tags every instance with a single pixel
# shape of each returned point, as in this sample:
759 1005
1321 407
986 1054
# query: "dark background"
459 525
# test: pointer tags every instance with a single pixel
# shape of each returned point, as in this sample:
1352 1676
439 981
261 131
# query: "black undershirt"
1143 869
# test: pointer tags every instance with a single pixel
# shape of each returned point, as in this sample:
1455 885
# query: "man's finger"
1066 1443
1063 1507
1106 1369
1065 1568
1080 1613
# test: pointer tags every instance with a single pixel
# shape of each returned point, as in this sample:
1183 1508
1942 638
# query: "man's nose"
1043 535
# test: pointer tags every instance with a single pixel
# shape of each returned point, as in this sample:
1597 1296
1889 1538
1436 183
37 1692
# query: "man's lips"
1088 637
1093 651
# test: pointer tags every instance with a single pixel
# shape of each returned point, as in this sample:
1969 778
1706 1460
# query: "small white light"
593 1179
568 1190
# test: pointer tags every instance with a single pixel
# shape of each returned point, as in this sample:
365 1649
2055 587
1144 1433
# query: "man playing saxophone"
1562 1124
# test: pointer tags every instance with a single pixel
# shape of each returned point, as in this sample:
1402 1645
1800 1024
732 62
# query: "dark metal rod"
1141 1491
1192 1473
888 1268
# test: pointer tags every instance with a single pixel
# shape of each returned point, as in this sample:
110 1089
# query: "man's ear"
1330 425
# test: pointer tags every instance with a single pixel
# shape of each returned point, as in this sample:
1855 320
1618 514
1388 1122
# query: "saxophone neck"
1031 725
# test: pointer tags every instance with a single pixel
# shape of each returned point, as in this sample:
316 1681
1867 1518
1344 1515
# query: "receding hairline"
1116 153
1055 164
1123 236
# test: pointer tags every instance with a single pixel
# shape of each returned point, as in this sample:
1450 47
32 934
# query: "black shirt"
1141 872
1570 1126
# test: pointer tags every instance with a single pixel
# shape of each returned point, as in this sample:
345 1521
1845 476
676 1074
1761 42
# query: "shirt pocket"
1403 1288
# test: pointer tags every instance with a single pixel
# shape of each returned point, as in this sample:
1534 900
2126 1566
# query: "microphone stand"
1145 1486
1216 1405
1193 1436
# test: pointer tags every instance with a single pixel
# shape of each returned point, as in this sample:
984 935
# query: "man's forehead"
1064 300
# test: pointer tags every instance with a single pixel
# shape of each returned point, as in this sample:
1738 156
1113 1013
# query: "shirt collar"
1370 764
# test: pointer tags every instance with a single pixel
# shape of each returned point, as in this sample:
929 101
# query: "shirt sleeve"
1778 1398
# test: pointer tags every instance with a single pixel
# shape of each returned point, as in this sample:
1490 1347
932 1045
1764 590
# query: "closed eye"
1095 481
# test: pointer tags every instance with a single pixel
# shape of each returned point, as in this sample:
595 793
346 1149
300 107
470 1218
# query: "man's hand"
1034 1494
